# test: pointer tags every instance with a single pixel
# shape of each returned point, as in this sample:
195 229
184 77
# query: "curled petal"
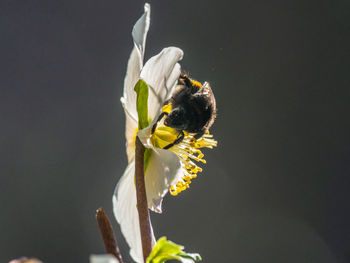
140 30
161 73
139 34
145 135
163 170
125 210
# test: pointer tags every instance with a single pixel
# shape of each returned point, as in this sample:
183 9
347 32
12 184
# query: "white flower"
160 73
166 169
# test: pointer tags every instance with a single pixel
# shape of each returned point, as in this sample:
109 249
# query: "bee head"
177 119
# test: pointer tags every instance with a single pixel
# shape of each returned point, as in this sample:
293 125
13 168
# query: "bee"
193 109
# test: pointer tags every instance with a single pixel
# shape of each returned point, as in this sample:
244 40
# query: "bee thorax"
177 119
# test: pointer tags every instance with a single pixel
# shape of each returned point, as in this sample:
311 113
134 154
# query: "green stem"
142 206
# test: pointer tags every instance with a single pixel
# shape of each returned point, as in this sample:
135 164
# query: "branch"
107 234
142 206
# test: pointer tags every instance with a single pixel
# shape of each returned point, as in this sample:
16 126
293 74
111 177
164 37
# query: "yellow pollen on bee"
196 83
167 108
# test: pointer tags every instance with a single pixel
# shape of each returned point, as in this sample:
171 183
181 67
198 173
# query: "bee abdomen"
201 114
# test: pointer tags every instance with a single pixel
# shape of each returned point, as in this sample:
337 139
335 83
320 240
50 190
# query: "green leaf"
165 250
141 89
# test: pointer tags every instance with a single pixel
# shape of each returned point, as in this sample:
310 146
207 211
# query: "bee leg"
159 118
199 134
178 140
187 81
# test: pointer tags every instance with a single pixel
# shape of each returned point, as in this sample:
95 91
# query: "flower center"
188 151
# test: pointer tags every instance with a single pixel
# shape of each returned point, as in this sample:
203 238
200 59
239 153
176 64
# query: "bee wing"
206 95
206 91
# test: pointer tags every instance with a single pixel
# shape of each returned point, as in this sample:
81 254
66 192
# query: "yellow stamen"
163 136
188 150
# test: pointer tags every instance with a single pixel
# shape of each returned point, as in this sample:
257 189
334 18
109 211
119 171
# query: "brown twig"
107 234
142 207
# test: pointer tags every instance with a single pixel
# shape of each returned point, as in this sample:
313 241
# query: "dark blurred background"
274 190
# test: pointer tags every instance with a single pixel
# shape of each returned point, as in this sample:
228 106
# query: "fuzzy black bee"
193 109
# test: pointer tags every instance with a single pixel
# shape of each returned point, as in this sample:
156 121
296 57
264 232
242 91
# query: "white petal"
163 170
140 30
139 34
135 62
125 211
131 128
105 258
132 76
161 73
129 102
145 135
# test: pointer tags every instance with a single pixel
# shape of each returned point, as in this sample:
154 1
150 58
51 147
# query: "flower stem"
142 207
107 234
